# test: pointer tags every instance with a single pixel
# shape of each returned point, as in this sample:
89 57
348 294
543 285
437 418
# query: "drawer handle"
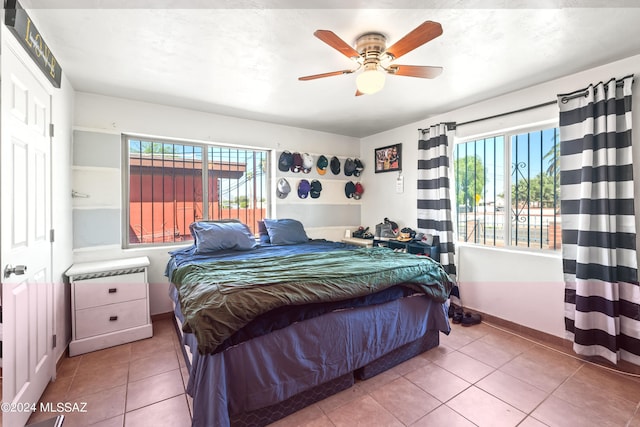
113 318
113 290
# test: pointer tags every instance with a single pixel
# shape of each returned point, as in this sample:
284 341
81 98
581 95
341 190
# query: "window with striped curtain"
171 184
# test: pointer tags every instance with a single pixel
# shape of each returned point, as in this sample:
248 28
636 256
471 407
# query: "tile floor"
480 375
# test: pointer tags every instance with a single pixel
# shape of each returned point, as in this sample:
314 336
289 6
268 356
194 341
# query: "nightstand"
367 243
109 303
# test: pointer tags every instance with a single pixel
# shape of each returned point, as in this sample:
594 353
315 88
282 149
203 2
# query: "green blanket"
219 298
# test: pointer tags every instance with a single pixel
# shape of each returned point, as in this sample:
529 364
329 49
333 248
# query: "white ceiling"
245 62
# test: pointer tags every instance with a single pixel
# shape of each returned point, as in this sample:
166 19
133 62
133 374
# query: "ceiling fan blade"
319 76
358 93
425 32
421 71
337 43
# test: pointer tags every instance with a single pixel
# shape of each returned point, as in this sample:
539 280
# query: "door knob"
17 270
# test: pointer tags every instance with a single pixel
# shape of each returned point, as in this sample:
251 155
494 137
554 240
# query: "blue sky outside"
528 151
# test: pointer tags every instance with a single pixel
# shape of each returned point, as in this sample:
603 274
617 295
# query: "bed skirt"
270 414
275 374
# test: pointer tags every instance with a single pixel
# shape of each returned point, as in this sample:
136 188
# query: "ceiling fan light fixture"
371 80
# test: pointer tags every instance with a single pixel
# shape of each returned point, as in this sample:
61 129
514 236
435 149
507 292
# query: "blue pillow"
216 236
285 231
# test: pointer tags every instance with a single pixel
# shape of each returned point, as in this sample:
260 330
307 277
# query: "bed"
271 327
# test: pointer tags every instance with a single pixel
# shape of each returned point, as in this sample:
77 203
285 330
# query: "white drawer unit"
109 304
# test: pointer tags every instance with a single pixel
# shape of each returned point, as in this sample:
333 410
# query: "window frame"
204 146
507 213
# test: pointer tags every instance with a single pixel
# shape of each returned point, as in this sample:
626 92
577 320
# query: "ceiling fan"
372 54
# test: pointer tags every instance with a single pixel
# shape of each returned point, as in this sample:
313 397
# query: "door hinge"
54 341
50 129
52 235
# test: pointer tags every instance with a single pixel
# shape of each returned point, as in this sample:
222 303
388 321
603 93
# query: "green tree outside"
470 180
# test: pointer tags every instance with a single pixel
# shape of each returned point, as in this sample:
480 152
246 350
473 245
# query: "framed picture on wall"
388 159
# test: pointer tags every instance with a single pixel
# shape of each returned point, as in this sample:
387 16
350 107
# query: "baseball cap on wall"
322 164
335 165
307 163
349 189
303 188
285 161
359 167
349 167
359 189
283 188
316 188
297 163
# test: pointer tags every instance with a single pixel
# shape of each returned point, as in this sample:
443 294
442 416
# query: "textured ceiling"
245 61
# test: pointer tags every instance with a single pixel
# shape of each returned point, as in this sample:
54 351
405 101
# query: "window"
508 194
172 184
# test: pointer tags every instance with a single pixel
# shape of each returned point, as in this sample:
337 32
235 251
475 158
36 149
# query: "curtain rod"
567 97
454 125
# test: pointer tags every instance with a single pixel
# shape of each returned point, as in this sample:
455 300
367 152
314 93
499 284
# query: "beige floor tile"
111 422
556 412
438 382
443 416
311 415
410 365
436 352
483 409
153 365
490 354
154 389
466 367
100 406
457 338
342 398
150 347
109 377
610 382
67 367
108 356
363 412
513 391
369 385
405 400
172 412
586 392
531 422
56 391
540 369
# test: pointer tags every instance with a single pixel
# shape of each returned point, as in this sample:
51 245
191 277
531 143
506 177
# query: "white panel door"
25 217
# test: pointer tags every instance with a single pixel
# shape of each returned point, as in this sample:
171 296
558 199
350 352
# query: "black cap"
359 167
285 161
349 189
335 165
349 167
316 188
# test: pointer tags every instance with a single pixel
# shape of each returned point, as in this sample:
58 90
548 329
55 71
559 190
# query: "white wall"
61 209
101 114
518 286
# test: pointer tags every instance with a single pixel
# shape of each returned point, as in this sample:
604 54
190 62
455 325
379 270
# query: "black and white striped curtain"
434 191
602 295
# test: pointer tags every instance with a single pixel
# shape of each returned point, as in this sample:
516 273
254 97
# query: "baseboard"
162 316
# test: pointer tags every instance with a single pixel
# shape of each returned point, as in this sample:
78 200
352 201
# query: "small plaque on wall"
19 23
